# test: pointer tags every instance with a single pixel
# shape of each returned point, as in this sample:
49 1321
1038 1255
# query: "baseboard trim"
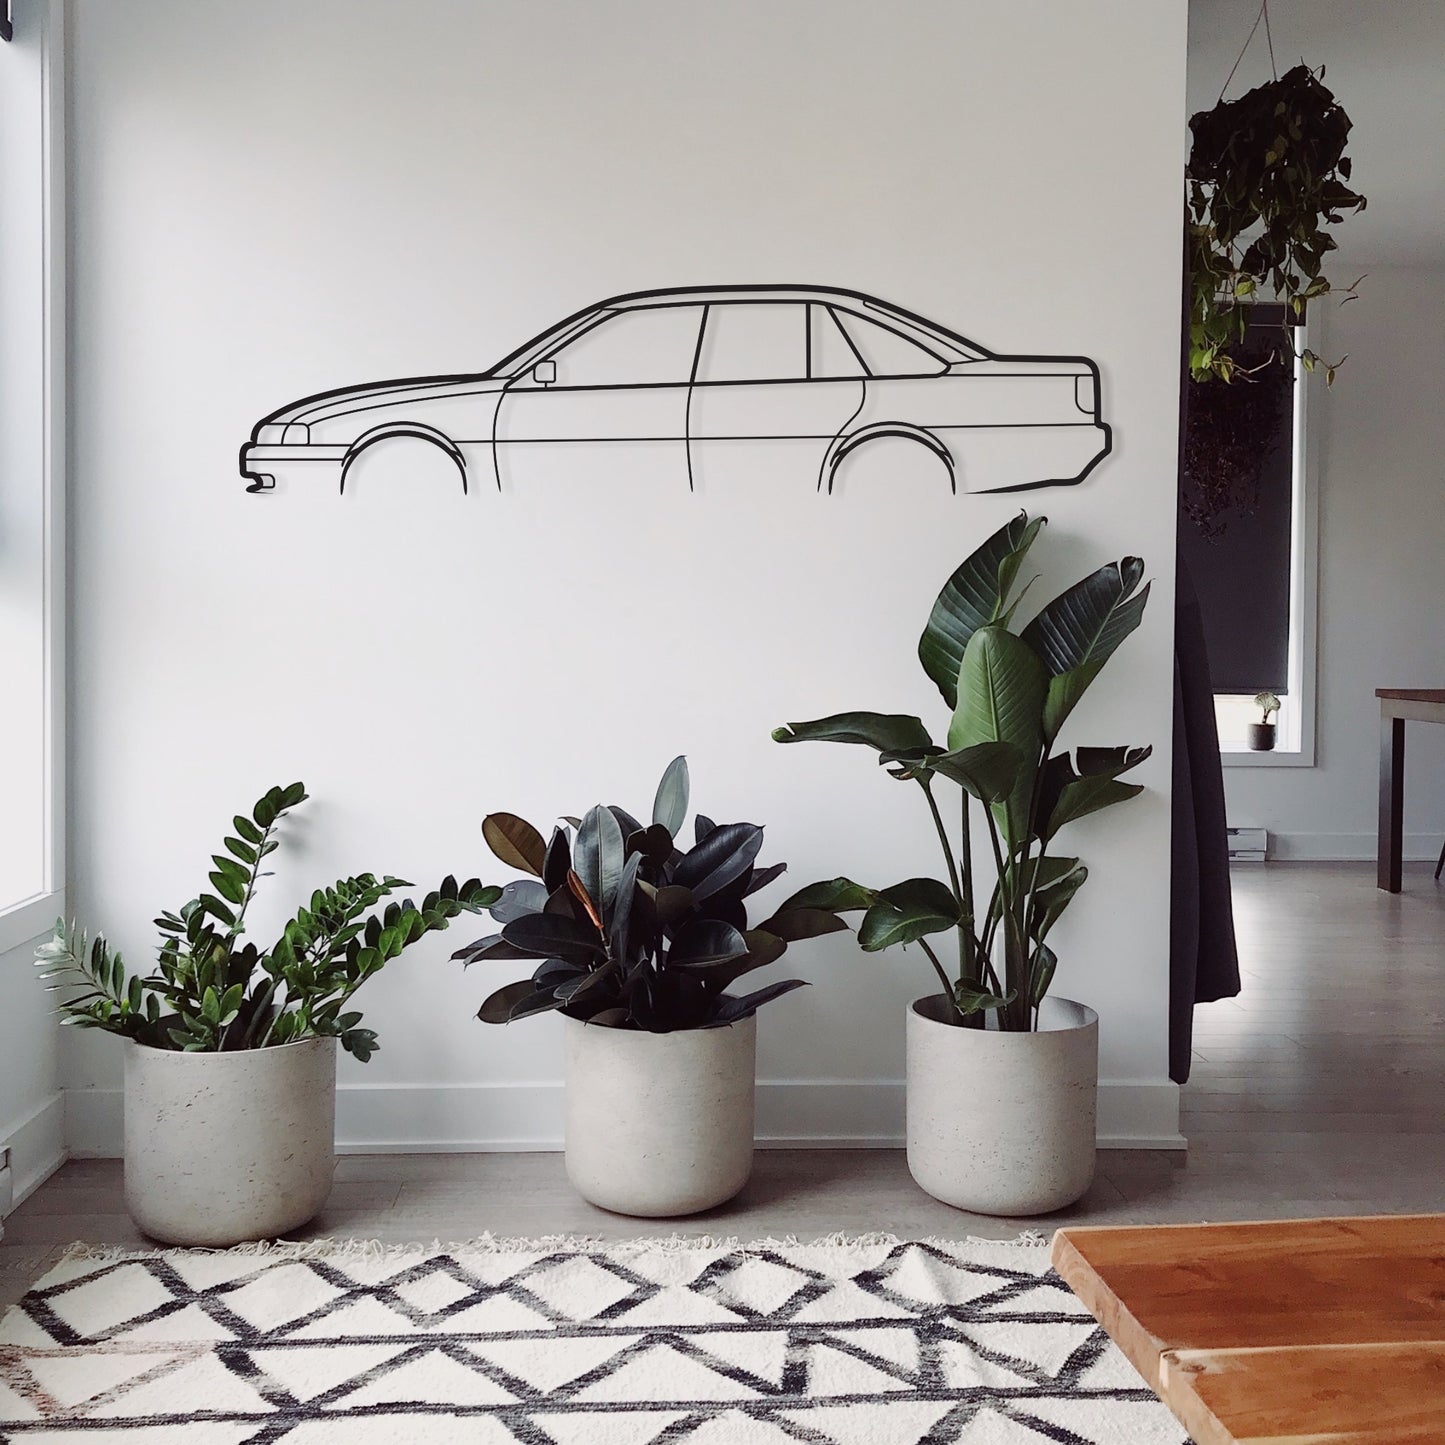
1347 847
36 1140
523 1118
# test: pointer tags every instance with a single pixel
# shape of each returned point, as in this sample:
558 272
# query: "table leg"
1391 839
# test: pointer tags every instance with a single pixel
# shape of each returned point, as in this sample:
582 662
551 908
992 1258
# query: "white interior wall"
275 199
1381 586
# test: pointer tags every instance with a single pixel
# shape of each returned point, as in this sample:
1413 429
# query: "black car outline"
1005 422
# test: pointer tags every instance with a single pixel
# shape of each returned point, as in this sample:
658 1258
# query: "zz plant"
629 930
214 991
1010 694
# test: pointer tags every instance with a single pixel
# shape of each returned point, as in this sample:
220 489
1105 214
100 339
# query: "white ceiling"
1385 62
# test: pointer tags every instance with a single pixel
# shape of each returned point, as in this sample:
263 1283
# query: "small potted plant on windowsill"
230 1051
638 943
1261 734
1002 1075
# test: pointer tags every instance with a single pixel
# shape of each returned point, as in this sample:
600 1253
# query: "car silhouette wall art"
725 363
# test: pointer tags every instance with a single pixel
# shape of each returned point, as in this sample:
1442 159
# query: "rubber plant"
629 931
214 991
1010 693
1266 174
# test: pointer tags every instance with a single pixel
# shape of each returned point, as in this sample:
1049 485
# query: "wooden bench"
1297 1332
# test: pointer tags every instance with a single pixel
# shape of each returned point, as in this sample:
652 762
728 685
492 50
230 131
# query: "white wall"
273 199
1381 584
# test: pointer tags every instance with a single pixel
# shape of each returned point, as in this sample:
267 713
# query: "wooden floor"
1320 1090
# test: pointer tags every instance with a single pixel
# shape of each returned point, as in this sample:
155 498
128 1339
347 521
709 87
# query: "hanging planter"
1266 174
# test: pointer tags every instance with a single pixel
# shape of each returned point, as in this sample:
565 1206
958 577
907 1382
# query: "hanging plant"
1266 174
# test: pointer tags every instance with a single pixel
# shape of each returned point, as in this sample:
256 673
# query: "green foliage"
1267 703
631 931
1010 694
212 992
1266 174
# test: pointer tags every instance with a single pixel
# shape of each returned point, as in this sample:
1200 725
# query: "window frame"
860 347
806 327
610 317
1295 723
25 919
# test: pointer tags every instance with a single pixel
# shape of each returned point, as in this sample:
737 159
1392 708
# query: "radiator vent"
1248 845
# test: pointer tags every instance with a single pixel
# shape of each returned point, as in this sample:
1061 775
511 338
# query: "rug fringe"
281 1250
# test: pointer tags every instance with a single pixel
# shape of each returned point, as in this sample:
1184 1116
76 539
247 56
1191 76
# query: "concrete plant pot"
1003 1123
660 1125
1261 737
222 1148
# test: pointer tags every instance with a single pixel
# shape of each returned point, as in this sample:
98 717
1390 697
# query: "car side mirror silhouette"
544 373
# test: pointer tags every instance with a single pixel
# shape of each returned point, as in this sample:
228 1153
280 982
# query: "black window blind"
1241 569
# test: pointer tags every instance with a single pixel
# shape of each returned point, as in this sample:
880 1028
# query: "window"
1247 538
885 352
648 346
763 342
831 354
31 475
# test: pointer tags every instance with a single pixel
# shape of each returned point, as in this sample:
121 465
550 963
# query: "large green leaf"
1074 785
989 771
669 807
763 948
1087 795
888 732
598 857
907 912
1079 630
837 895
1057 880
704 942
1001 690
793 925
508 1002
730 1010
720 859
515 841
551 935
975 596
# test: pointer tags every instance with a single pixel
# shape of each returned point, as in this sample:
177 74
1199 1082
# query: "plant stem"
942 978
238 927
943 840
965 934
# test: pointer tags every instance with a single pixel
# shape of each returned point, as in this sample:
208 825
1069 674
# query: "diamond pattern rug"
566 1342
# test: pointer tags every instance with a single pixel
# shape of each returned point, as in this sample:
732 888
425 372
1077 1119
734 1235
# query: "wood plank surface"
1412 694
1290 1395
1326 1331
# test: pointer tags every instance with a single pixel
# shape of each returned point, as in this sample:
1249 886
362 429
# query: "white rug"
565 1342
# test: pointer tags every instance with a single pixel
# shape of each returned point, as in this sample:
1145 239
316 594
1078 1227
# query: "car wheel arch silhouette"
844 446
414 431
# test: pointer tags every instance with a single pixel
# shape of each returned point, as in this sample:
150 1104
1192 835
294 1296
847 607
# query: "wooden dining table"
1398 705
1291 1332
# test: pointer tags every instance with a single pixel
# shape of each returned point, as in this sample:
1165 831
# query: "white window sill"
1275 758
29 921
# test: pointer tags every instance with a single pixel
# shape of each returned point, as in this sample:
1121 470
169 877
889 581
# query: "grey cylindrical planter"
660 1124
1261 737
221 1148
1003 1123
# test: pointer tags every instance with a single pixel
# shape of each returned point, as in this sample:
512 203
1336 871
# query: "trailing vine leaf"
1266 174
